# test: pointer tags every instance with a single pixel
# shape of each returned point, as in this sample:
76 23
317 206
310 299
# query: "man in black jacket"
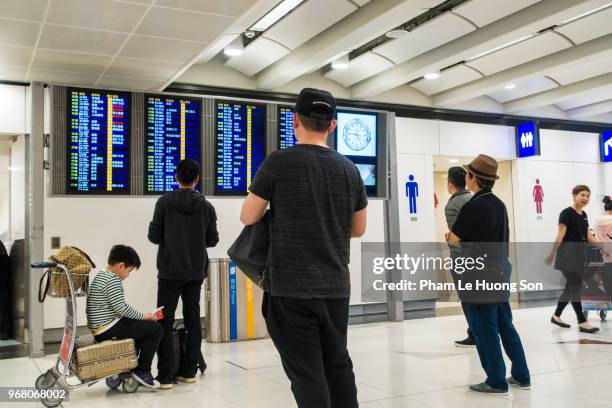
184 224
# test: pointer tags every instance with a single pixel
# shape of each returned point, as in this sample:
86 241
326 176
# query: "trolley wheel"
45 381
586 314
113 382
130 385
603 314
52 402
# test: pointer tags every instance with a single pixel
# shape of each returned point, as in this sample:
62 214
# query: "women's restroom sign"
538 197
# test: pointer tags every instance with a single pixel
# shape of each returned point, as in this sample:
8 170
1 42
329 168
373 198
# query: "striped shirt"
106 302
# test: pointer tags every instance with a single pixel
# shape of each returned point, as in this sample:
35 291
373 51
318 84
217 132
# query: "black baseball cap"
316 104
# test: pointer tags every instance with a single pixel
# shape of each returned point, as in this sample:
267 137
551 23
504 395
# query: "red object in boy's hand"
158 313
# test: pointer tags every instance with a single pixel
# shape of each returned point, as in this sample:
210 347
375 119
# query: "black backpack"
180 348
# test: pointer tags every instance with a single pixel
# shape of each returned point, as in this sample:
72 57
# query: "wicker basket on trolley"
78 264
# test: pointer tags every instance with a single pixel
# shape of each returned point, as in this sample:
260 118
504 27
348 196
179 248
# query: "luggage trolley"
600 302
57 377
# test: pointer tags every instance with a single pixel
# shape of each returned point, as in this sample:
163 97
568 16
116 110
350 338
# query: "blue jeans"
489 322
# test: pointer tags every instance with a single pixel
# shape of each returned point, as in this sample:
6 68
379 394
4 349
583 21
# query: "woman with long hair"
569 248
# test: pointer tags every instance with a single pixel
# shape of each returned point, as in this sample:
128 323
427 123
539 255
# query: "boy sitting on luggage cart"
110 317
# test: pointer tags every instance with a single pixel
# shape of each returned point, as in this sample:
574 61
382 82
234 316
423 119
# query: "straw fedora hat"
484 167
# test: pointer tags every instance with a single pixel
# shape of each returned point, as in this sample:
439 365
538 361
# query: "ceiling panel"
229 8
308 20
161 49
184 25
71 62
483 12
359 69
124 82
13 73
23 9
588 98
450 78
18 32
15 56
523 89
429 36
361 3
62 77
258 55
589 28
143 69
518 54
81 40
101 14
584 69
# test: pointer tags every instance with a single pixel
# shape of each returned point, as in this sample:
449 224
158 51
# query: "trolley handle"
43 265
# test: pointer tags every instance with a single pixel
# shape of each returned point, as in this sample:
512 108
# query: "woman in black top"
570 249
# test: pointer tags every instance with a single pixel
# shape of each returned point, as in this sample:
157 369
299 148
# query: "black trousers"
168 293
311 338
146 333
571 293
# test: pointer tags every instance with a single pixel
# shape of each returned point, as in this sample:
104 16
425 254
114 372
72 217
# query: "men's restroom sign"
412 192
527 140
606 146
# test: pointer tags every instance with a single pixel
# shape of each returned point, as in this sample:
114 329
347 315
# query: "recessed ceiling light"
275 14
453 161
432 75
341 63
235 48
510 86
396 34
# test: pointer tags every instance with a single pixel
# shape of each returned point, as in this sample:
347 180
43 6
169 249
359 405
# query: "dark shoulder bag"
250 250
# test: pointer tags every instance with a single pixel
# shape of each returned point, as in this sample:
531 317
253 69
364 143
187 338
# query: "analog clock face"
356 135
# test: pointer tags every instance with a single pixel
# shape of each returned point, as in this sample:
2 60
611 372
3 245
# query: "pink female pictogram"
538 196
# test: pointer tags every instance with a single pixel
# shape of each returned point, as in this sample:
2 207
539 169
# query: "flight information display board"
240 145
98 148
286 135
173 133
356 138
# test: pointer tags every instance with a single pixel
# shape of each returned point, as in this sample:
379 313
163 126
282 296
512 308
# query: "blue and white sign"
605 146
527 140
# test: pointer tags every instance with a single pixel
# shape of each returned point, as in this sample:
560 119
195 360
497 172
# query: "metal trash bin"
232 304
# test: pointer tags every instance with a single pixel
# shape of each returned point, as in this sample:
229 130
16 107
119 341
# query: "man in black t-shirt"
318 202
482 225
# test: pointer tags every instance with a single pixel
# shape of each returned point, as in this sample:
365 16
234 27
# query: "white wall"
12 109
5 159
17 181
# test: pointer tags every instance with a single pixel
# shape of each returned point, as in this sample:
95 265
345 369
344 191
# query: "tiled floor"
409 364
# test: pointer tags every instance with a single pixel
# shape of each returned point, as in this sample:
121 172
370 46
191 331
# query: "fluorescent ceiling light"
510 86
235 48
588 13
432 75
501 47
453 161
275 14
341 63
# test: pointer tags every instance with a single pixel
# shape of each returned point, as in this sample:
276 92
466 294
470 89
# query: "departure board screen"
98 148
173 133
240 145
286 136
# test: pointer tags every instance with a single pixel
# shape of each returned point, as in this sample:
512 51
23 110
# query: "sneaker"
468 343
145 378
186 379
515 383
487 389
